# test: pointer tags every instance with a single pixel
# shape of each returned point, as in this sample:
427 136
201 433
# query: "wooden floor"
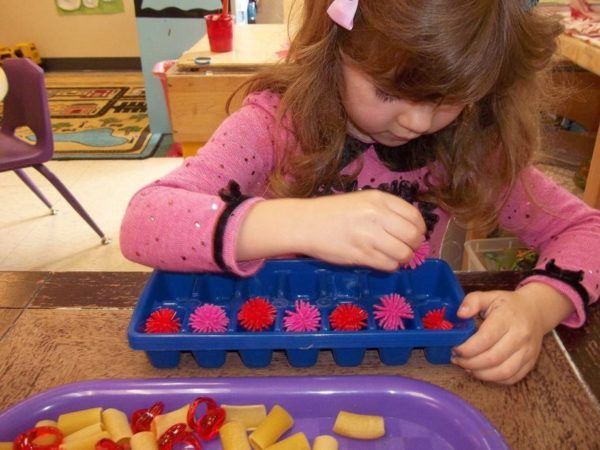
93 78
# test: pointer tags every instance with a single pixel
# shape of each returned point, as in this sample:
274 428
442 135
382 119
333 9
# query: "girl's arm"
565 231
367 228
567 234
181 222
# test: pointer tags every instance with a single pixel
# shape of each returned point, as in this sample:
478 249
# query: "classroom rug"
108 122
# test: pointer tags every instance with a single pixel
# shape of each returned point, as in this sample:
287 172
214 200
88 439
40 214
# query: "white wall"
270 11
76 36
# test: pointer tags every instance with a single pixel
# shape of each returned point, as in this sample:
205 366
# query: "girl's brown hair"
487 54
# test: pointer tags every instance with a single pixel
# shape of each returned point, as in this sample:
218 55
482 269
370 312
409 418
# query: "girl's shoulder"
267 100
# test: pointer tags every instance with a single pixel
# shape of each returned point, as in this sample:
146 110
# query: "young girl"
386 119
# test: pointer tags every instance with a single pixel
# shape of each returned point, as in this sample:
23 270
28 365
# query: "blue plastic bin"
433 285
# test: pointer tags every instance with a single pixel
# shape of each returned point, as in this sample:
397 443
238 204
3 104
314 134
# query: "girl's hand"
508 343
366 228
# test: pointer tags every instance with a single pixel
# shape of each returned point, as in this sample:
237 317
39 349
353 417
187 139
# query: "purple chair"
26 104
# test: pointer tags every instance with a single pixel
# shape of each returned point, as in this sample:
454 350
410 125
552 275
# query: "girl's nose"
417 118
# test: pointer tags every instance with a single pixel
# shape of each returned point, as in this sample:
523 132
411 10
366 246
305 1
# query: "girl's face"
377 117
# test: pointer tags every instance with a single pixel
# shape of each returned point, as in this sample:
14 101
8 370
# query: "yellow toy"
5 53
27 50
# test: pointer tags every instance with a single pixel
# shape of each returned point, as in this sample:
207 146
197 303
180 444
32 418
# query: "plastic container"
252 11
159 71
433 285
219 28
492 254
417 415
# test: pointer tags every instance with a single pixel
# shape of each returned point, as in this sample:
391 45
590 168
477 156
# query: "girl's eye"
384 96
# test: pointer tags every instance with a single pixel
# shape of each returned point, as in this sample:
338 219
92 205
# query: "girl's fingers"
475 303
519 375
380 261
394 248
493 357
508 370
406 211
489 334
403 230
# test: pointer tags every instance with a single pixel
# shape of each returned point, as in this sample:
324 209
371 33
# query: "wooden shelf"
253 46
587 56
583 54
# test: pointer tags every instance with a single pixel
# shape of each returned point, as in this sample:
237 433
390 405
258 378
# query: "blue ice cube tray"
432 285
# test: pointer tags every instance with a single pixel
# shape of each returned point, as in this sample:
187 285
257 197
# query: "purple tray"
418 415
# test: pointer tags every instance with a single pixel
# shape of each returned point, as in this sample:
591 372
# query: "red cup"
220 32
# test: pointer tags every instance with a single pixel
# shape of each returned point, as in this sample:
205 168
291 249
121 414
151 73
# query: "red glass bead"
189 439
209 424
177 434
25 441
142 418
168 436
108 444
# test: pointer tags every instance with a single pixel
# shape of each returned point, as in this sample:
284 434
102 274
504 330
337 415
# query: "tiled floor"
32 239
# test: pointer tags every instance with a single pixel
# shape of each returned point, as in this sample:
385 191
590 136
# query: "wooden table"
59 328
588 57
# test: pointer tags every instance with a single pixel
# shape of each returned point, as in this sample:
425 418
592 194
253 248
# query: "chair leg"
72 200
31 185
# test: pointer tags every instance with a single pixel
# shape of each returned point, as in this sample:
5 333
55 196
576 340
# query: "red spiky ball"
163 320
435 320
348 317
256 314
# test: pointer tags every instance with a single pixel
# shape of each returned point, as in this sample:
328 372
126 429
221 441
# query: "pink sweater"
174 223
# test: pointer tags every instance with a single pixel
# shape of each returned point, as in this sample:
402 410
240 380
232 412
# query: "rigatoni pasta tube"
46 423
296 441
325 442
250 415
85 432
48 439
277 422
71 422
117 424
359 426
233 436
162 423
86 443
144 440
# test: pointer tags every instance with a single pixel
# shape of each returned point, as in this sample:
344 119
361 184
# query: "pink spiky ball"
209 318
390 312
304 318
419 256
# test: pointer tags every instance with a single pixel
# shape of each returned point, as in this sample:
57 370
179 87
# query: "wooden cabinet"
197 102
198 94
588 57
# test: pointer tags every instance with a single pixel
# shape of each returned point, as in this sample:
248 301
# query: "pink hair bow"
342 12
